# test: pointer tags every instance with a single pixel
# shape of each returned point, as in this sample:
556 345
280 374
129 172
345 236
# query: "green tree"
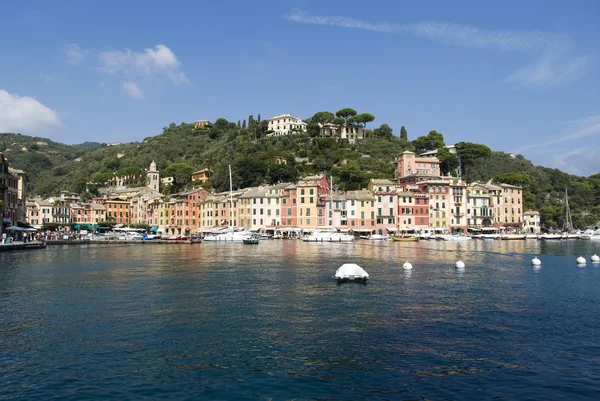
345 114
513 179
448 161
362 118
322 117
403 133
312 129
282 173
384 131
338 120
244 125
468 153
434 140
181 173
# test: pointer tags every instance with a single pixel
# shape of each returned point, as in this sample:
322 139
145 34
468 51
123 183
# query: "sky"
518 76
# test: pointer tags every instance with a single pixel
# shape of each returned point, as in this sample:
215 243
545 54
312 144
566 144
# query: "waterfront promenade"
20 246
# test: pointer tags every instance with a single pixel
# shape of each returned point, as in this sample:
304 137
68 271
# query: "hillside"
256 159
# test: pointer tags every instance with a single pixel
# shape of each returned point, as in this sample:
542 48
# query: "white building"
285 124
531 222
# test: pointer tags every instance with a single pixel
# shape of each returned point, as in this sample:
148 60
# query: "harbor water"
239 322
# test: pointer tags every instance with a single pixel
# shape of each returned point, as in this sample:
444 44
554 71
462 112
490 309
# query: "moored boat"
513 237
551 237
327 236
378 237
405 239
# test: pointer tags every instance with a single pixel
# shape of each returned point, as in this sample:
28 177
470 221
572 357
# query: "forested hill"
181 149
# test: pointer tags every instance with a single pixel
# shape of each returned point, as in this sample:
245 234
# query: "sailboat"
328 235
567 226
232 234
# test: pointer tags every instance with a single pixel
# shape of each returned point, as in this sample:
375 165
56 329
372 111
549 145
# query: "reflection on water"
228 321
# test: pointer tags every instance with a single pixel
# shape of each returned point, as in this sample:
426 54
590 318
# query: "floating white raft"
351 272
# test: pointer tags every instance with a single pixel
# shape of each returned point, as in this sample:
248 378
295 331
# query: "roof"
531 213
360 195
284 116
381 181
510 186
202 171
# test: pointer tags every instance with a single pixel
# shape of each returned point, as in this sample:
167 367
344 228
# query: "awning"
154 229
15 228
76 226
392 229
362 230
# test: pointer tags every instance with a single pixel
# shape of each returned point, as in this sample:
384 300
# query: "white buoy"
536 262
595 258
407 266
460 265
581 260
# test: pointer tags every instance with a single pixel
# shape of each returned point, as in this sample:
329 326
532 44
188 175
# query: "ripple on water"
225 321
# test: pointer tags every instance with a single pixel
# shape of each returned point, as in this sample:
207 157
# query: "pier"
22 246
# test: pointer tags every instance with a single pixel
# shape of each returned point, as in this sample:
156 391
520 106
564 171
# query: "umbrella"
15 228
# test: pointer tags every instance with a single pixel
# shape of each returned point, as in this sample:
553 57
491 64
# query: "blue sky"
518 76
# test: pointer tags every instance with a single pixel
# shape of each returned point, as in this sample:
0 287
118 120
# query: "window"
307 211
391 199
312 200
312 191
302 191
379 199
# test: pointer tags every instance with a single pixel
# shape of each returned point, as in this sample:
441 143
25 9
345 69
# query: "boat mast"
230 199
331 200
568 220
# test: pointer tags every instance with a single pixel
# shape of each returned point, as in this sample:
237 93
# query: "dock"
22 246
117 242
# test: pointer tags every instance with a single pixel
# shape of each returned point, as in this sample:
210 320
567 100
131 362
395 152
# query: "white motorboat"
351 272
512 237
489 236
456 237
229 236
531 236
378 237
551 237
591 235
327 236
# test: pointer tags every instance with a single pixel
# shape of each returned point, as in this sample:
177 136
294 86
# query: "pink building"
386 205
408 163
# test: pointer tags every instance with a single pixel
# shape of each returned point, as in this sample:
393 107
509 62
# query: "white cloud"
159 60
579 129
555 66
446 33
550 70
133 90
75 55
25 114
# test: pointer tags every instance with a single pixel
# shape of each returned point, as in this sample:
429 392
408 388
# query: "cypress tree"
403 133
244 125
239 125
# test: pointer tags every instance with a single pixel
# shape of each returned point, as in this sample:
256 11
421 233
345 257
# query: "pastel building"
361 211
351 132
531 222
479 210
285 124
386 205
413 210
408 164
511 205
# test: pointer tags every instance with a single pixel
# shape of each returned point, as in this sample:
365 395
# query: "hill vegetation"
257 158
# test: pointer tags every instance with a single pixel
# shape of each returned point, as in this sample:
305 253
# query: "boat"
378 237
591 235
251 240
489 236
351 272
327 236
512 237
231 234
265 236
176 238
405 239
456 237
551 237
531 236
